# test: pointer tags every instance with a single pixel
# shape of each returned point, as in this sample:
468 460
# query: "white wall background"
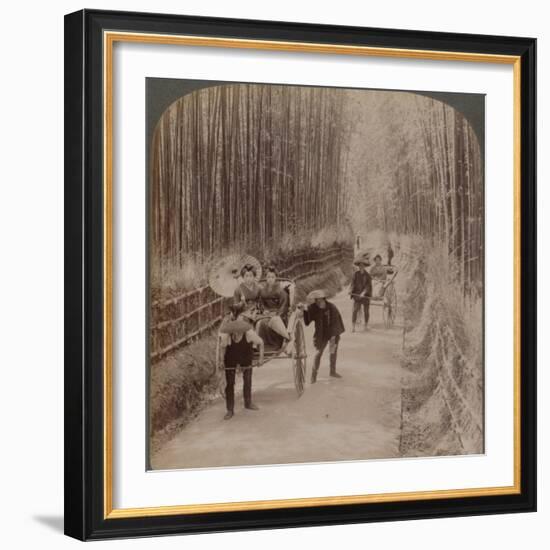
31 273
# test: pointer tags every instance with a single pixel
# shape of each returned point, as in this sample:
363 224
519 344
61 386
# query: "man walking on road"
360 292
328 327
390 253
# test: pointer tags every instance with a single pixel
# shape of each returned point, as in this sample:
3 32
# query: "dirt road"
356 417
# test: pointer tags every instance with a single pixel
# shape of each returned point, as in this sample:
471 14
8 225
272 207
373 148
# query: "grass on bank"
176 275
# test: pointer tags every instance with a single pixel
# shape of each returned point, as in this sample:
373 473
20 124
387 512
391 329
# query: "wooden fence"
178 321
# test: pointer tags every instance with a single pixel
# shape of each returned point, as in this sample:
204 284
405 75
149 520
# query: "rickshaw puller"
239 352
360 292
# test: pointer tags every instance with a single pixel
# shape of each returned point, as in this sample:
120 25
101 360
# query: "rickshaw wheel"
299 358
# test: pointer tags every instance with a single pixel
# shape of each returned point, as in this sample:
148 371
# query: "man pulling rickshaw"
262 311
374 287
361 292
238 352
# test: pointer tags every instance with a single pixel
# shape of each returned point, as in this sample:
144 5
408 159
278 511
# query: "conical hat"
362 257
315 294
237 325
224 275
359 261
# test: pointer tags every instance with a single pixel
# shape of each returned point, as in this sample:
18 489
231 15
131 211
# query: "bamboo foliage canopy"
418 169
240 167
244 164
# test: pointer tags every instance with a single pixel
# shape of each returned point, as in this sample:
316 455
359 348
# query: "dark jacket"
328 322
361 284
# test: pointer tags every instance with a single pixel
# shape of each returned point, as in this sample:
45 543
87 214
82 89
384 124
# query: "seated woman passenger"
247 293
274 303
379 274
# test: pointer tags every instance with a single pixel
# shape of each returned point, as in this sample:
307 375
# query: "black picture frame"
84 282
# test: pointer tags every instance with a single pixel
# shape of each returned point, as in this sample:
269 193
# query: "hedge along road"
355 417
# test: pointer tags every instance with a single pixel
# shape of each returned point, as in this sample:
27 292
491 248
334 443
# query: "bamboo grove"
243 165
421 172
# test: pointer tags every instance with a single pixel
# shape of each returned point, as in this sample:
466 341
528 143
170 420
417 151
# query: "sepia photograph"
315 274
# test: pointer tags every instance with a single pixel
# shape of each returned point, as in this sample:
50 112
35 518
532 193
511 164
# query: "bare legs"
356 308
333 352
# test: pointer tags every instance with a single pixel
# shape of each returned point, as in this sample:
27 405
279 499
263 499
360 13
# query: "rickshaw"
298 355
386 298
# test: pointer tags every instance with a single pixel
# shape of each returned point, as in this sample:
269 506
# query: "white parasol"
225 275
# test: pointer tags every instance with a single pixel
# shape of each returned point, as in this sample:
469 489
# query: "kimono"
379 274
249 297
274 299
274 302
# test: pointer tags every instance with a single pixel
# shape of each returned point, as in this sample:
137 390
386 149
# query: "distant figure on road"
390 254
360 292
328 327
238 350
358 243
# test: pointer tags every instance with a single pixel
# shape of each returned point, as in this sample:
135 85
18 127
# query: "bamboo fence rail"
178 321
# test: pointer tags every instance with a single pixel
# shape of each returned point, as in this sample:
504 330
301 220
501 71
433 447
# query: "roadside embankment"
442 394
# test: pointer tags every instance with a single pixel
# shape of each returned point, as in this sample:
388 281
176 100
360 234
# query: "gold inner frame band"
109 39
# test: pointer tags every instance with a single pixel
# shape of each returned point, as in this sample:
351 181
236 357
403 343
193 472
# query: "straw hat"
362 258
234 326
316 294
361 261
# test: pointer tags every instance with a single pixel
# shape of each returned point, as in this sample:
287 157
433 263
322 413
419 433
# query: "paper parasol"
225 275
